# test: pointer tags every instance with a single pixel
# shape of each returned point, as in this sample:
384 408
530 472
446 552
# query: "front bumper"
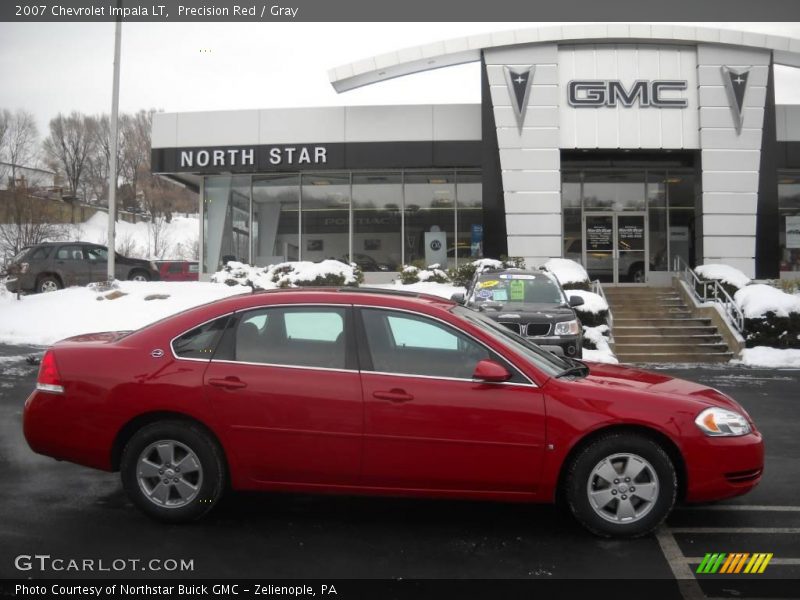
561 345
723 467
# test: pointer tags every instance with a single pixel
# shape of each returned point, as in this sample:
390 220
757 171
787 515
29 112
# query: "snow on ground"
592 303
603 353
445 290
758 299
42 319
763 356
566 271
723 273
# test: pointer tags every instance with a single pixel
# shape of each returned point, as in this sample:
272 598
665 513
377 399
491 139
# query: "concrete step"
668 348
662 322
709 338
644 314
651 330
666 357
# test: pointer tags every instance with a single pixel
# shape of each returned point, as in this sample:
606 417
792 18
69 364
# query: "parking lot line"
687 584
735 529
744 507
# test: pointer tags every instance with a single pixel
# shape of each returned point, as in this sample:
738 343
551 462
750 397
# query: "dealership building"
629 148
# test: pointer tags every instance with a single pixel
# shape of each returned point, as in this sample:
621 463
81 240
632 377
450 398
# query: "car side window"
97 254
40 253
201 341
302 336
414 345
70 253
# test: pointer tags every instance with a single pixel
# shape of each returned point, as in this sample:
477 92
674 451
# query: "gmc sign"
596 93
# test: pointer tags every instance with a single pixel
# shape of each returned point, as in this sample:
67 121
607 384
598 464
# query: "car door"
72 265
428 425
98 262
284 383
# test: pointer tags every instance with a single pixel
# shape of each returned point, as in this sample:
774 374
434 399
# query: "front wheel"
622 485
48 283
173 471
139 275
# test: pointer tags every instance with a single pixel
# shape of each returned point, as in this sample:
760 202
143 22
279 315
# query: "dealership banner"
409 10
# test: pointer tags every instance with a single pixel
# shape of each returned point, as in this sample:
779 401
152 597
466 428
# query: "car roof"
513 271
65 243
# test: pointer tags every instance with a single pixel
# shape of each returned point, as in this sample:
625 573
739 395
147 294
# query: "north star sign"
274 156
611 92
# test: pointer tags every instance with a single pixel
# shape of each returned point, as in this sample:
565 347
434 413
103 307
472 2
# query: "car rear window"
40 253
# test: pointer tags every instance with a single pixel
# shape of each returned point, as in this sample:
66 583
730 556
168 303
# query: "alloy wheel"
169 473
622 488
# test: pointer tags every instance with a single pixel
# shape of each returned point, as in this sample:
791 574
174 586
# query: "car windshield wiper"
577 368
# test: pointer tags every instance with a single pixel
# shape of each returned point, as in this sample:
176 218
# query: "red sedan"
355 391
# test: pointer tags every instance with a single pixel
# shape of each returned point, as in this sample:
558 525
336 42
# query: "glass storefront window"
614 190
657 220
377 202
275 219
681 198
325 206
571 201
226 221
469 219
430 201
789 218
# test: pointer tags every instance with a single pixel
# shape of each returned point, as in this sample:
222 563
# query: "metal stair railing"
710 291
597 288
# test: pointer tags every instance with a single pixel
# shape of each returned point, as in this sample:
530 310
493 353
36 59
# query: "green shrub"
774 331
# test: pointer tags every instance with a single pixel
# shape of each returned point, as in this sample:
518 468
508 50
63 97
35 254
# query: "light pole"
112 170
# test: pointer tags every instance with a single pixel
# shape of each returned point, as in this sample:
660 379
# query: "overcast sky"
48 68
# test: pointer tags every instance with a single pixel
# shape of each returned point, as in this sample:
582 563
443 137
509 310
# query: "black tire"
580 476
47 283
139 275
184 435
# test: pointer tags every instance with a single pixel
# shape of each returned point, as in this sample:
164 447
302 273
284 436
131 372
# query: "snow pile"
759 299
290 274
433 274
763 356
484 264
423 287
566 271
723 273
42 319
602 352
592 303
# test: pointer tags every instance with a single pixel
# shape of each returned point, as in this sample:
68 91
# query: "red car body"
351 430
178 270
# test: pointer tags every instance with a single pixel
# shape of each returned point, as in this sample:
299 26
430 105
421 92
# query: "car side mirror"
575 301
458 297
490 371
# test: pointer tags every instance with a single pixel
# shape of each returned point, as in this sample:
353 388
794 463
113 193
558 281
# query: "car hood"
518 310
620 376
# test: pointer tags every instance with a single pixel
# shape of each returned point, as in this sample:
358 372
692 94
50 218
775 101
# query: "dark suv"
51 266
530 303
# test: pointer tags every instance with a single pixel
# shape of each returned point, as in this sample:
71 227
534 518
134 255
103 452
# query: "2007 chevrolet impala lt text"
360 391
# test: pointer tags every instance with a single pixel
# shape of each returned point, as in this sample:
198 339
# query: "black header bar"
540 11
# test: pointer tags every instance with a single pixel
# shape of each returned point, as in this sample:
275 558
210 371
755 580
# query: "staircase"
653 325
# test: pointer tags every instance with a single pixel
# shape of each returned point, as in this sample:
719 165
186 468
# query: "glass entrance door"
615 246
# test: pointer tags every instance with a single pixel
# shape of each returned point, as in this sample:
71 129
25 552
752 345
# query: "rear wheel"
48 283
622 484
139 275
173 471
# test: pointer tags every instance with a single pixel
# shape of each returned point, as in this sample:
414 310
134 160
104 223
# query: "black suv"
530 303
51 266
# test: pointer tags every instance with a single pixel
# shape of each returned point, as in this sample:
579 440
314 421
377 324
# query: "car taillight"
49 380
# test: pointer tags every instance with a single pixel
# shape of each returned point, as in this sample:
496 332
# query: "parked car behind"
51 266
531 304
178 270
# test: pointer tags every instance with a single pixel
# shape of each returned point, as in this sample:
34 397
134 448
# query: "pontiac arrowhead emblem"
519 81
736 85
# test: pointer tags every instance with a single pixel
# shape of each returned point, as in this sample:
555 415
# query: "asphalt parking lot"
64 510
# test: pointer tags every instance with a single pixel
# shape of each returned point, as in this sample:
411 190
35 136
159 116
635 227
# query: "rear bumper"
720 468
20 283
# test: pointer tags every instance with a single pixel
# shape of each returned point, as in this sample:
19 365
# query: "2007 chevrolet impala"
355 391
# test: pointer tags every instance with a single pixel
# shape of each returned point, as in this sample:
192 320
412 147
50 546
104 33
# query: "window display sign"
793 231
598 235
631 235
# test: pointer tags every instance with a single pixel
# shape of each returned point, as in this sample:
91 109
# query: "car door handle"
228 382
393 395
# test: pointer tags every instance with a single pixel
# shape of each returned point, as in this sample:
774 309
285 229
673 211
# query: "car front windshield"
541 359
524 288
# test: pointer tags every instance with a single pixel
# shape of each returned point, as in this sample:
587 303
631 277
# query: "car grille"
515 327
537 329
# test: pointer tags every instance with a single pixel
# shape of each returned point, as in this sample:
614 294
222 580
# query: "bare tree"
18 141
69 147
27 221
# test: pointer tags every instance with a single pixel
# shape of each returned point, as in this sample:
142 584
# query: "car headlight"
568 328
722 422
